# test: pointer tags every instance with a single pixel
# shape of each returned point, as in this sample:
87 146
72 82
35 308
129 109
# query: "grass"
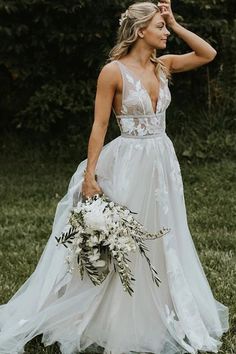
30 190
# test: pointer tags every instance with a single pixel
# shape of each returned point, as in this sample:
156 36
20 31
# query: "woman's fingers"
163 6
165 13
164 9
167 2
89 190
85 197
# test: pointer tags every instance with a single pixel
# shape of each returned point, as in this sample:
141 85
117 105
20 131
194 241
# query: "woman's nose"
167 32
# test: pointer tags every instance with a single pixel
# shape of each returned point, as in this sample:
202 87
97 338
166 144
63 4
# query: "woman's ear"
140 33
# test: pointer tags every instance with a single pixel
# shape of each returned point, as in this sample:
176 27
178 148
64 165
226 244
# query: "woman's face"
156 33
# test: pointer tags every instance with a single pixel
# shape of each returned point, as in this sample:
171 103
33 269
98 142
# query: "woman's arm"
202 52
106 87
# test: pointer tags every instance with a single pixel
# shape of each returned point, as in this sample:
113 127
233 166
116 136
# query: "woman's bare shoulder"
166 60
110 72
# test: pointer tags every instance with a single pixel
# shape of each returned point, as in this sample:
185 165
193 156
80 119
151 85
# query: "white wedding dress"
138 169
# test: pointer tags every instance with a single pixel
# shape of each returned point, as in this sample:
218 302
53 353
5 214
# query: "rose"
95 220
95 204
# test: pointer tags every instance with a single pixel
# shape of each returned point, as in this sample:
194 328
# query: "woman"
138 169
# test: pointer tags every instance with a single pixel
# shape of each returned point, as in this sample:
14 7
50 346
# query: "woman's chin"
162 45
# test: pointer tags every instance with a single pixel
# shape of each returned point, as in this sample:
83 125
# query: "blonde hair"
135 17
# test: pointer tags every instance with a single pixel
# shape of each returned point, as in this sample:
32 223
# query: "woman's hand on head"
166 12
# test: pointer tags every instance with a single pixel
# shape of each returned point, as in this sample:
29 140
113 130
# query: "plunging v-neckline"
144 88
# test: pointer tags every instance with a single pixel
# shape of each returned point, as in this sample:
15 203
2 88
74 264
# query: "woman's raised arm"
202 52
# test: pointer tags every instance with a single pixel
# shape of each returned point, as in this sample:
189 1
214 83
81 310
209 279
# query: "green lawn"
30 191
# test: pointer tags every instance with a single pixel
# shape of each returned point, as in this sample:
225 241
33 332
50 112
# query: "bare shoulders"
166 60
110 73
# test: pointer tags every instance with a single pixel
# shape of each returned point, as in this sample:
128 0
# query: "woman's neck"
140 56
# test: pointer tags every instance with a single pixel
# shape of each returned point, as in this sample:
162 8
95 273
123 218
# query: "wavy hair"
138 15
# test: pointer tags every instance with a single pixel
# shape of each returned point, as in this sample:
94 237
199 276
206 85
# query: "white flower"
95 220
126 213
78 240
95 256
100 223
119 258
122 241
111 242
99 204
78 250
129 218
92 241
131 247
99 263
115 217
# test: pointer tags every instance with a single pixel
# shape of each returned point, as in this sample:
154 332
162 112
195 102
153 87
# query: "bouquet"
99 233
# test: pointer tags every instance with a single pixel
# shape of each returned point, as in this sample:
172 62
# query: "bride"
138 169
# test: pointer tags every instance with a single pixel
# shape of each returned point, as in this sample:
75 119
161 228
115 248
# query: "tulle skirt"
180 316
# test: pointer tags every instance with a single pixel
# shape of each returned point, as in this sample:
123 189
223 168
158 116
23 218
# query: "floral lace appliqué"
176 175
161 196
174 323
137 116
136 100
143 125
175 327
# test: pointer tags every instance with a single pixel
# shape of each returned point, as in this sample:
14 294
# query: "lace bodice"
136 117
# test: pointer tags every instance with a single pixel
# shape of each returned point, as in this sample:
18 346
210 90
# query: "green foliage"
56 101
202 136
